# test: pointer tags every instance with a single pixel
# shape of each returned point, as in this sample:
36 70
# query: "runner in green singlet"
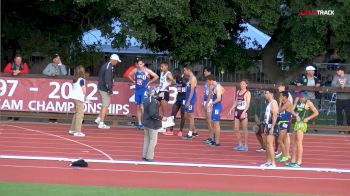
306 111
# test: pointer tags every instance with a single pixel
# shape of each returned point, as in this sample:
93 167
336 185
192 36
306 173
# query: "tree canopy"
189 30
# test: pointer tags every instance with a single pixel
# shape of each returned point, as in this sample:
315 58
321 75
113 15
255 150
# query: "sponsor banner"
52 95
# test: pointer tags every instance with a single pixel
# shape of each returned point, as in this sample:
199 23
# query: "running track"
125 144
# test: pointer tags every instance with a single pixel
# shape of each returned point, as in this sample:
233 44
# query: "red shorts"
239 115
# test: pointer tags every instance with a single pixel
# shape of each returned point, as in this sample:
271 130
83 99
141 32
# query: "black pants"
343 104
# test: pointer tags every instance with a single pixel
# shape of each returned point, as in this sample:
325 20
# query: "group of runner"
274 129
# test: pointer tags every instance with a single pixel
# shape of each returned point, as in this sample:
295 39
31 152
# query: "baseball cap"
310 68
115 57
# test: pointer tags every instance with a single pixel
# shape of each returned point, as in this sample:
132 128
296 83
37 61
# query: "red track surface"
125 144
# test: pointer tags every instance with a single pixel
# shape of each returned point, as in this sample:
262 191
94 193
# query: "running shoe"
195 134
295 165
267 164
207 141
187 137
71 132
278 154
179 134
236 147
103 126
140 126
97 120
289 164
213 144
242 148
79 134
282 159
260 150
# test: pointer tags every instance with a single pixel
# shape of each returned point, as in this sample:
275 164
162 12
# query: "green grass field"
31 189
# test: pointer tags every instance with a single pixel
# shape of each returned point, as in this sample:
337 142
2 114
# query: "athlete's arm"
170 78
154 75
129 75
311 106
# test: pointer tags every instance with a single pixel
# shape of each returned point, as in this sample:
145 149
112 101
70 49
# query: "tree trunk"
271 69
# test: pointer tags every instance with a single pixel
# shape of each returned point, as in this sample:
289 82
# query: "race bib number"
285 125
139 82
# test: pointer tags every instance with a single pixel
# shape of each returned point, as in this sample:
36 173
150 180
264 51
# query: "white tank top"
164 83
268 116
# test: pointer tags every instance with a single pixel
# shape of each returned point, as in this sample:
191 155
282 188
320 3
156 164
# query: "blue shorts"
215 113
284 126
190 109
139 96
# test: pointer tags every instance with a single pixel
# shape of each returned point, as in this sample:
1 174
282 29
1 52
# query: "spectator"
342 80
309 79
152 123
17 67
56 68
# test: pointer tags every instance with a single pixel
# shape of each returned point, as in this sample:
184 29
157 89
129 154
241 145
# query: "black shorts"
163 95
276 130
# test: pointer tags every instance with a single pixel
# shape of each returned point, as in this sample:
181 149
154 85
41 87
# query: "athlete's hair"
211 77
245 80
164 63
79 73
189 67
271 90
285 94
209 69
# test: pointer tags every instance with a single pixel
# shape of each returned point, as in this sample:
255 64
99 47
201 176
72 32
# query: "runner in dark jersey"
180 97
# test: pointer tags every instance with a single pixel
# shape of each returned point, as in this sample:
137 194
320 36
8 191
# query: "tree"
301 38
49 26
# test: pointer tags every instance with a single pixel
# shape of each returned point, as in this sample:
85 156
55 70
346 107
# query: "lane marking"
178 173
74 141
314 169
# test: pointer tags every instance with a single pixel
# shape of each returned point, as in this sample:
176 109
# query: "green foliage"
305 37
51 26
189 30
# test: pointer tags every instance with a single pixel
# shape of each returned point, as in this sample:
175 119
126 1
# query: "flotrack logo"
316 13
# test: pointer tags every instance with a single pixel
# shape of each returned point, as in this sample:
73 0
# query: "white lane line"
37 131
177 173
177 164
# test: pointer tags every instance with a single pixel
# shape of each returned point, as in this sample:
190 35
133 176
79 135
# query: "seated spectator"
17 66
56 68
